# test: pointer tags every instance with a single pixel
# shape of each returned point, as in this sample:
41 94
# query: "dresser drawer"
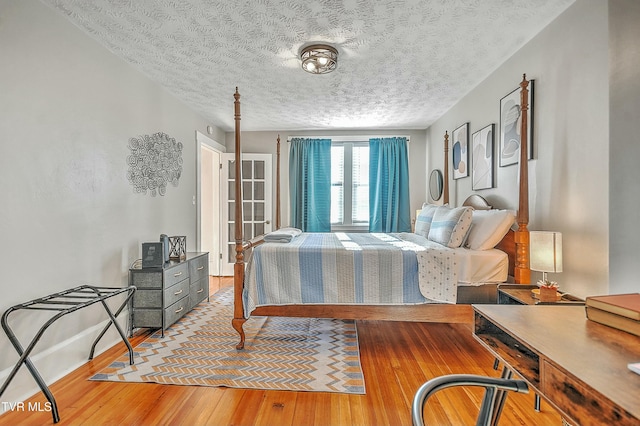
199 268
151 318
176 274
147 298
176 292
174 312
581 405
146 279
199 291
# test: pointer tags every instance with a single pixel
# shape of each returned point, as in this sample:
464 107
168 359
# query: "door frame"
205 142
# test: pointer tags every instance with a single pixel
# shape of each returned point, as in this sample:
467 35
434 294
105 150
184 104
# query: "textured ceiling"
402 63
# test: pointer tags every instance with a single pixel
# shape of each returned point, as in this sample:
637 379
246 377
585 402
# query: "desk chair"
494 396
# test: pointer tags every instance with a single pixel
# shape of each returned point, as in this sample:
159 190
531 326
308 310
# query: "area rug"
298 354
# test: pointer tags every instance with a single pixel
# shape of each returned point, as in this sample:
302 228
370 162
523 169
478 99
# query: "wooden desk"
577 365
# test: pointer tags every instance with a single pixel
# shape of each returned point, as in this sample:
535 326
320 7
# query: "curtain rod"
350 138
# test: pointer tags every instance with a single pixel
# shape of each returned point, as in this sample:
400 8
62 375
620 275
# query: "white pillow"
423 221
488 228
449 227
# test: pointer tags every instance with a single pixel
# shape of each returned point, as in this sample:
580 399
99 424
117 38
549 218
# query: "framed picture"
460 149
482 158
510 127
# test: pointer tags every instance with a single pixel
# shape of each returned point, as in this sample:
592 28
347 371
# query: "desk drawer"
176 292
176 274
580 404
514 353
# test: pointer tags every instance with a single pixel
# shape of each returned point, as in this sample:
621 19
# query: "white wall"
69 215
569 176
265 143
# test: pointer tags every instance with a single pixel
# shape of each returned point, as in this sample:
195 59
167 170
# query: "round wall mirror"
435 185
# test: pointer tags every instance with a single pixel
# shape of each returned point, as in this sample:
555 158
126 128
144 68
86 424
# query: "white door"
257 183
210 170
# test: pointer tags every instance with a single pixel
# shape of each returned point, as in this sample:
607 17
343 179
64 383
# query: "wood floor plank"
341 410
242 410
305 412
277 408
190 410
397 357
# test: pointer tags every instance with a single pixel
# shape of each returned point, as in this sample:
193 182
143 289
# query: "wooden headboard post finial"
238 267
522 272
445 188
278 184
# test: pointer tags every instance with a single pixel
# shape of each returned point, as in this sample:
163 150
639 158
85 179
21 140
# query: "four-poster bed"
514 243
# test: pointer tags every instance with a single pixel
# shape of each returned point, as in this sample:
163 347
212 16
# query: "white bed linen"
475 267
482 266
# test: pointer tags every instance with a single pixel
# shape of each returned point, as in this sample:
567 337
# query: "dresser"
165 294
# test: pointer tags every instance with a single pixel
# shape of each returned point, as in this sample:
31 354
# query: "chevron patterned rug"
298 354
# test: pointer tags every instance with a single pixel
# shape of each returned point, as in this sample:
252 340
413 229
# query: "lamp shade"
546 251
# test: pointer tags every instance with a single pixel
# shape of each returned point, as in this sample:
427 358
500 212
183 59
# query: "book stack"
621 311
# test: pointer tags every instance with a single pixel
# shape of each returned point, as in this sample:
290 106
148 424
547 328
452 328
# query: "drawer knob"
178 274
177 292
180 310
201 268
200 291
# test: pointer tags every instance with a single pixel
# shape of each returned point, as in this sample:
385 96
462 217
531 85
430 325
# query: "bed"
379 276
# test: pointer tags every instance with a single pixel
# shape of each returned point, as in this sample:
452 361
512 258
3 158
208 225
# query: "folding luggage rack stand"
64 303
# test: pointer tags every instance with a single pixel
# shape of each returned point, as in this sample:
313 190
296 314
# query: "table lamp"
546 252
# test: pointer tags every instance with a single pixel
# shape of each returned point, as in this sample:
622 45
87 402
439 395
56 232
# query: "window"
349 184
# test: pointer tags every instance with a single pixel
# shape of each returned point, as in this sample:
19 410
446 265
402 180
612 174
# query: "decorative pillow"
488 228
423 221
449 227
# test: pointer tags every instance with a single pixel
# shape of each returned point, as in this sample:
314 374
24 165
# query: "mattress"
478 267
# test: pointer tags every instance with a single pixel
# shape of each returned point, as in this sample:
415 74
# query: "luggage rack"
64 303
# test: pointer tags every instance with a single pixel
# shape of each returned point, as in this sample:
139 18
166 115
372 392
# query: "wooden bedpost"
445 187
522 273
238 268
278 184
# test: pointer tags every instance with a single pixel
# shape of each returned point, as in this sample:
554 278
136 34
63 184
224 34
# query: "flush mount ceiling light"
319 58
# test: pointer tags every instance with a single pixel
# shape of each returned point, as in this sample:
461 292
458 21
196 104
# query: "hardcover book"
627 305
613 320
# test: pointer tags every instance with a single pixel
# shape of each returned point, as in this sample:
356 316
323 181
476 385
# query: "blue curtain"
310 184
389 185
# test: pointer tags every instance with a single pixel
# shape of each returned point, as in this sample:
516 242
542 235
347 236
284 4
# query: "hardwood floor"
397 357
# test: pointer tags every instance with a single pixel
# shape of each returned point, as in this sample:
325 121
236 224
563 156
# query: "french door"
257 200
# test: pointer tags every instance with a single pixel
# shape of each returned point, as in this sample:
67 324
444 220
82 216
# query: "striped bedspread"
359 268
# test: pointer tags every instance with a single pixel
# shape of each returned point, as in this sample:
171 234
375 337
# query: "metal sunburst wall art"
154 162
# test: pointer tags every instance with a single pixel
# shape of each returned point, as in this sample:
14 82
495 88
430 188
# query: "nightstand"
520 294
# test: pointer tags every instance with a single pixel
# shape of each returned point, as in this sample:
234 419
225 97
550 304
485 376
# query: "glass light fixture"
319 58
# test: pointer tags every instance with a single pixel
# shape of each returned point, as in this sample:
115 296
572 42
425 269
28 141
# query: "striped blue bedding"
358 268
